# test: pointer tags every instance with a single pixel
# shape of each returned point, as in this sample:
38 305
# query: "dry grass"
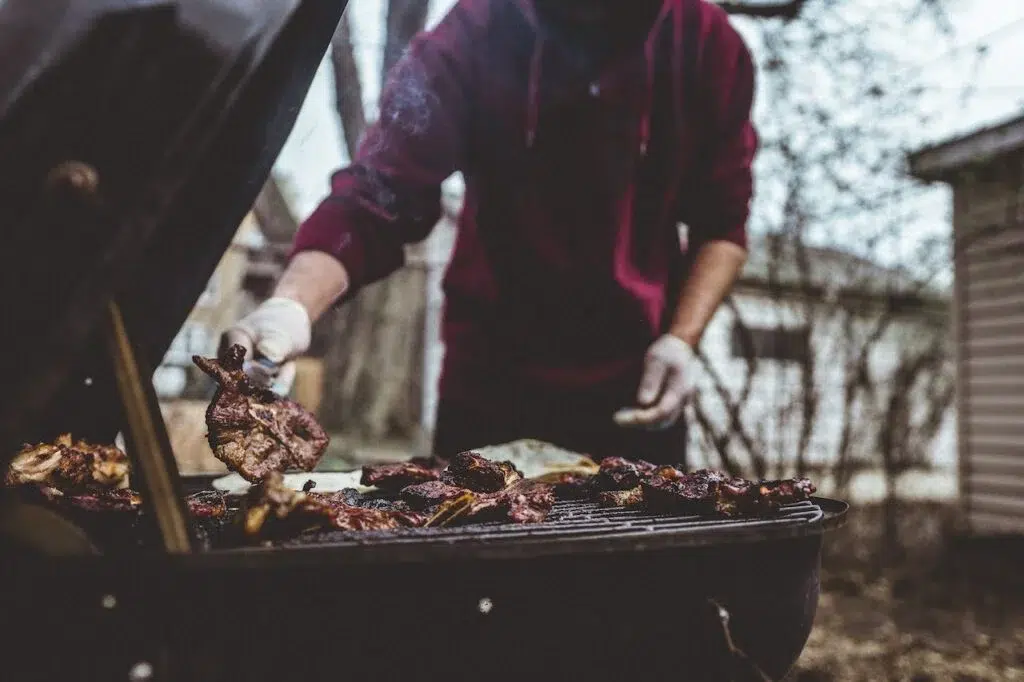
924 606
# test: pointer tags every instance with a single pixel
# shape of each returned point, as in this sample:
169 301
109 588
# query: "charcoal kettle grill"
134 136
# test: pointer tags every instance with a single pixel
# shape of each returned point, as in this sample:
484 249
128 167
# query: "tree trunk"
374 351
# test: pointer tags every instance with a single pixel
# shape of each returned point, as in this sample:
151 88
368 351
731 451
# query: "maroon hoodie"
575 186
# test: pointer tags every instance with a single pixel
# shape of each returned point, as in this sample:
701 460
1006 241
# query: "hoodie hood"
668 27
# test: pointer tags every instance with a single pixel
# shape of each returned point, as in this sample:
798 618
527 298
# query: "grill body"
604 595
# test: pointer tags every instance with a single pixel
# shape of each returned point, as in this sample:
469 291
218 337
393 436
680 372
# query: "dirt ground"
926 605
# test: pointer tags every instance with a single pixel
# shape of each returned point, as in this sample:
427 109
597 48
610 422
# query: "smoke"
408 102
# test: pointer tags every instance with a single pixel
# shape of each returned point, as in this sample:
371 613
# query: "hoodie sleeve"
719 207
390 195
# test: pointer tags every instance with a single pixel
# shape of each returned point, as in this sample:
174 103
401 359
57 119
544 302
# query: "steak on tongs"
252 429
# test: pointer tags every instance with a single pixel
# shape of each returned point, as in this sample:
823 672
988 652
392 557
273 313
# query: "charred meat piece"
774 494
620 498
707 491
69 467
523 502
618 473
350 497
273 510
394 477
253 430
111 500
571 485
208 504
433 462
363 518
477 473
696 492
430 494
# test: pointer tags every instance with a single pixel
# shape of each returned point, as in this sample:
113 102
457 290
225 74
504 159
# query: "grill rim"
545 542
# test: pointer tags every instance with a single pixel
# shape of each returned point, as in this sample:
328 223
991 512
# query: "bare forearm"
314 279
715 269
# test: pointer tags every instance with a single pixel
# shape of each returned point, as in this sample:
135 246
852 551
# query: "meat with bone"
253 430
274 510
68 466
394 477
477 473
522 502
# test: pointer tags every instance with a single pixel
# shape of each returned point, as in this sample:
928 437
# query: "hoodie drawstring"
533 93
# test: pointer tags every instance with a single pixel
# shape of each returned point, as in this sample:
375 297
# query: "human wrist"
685 335
315 280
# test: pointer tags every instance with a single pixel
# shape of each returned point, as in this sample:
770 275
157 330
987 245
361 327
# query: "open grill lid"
134 137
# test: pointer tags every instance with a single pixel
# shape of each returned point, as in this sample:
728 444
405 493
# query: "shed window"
771 343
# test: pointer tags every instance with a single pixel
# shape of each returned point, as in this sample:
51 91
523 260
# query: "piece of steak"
430 494
618 473
207 504
477 473
275 511
253 430
69 467
395 476
707 491
620 498
522 502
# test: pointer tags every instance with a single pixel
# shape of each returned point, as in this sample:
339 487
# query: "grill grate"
571 520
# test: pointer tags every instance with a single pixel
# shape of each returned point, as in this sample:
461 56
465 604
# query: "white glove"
665 386
278 331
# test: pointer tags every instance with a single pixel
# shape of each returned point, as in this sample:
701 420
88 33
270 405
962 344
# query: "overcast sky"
943 65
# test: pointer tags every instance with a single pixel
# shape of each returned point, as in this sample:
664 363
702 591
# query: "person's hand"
664 388
272 335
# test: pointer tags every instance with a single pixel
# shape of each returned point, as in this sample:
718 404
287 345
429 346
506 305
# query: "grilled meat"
430 494
708 491
477 473
617 473
253 430
208 504
571 485
620 498
774 494
110 500
274 510
362 518
69 467
395 477
522 502
433 462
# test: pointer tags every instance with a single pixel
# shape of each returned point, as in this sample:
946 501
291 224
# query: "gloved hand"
665 386
272 335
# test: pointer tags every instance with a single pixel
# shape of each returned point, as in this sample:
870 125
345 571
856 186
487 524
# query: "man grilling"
587 131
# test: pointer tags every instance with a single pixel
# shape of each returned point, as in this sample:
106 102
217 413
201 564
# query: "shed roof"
943 160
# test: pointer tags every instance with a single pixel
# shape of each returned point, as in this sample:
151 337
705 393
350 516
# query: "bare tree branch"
405 19
276 220
782 10
348 86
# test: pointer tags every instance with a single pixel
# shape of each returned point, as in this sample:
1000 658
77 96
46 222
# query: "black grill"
572 527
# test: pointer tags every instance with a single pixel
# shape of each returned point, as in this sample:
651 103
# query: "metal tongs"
270 375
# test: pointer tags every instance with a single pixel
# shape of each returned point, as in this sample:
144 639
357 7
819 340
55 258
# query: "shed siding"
989 261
